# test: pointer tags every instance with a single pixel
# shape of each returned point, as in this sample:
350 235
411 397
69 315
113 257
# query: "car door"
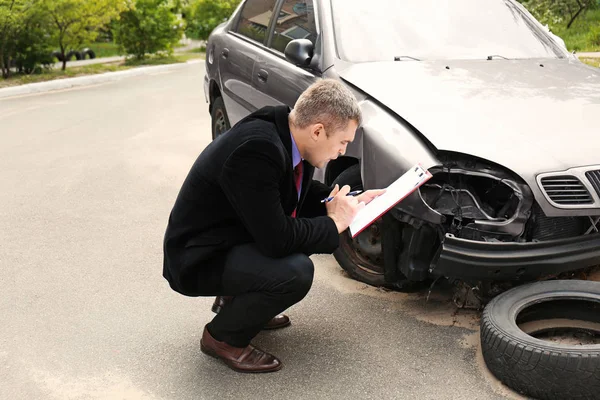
246 39
277 80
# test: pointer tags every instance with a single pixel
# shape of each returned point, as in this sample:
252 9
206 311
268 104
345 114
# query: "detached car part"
514 329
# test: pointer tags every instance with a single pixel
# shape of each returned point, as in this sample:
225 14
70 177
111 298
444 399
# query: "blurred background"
39 38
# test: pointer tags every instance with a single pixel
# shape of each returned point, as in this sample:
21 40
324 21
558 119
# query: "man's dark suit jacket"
241 190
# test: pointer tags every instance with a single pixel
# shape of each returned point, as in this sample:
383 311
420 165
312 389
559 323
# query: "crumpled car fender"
388 147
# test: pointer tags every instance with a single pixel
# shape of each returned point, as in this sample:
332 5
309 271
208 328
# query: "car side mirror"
299 52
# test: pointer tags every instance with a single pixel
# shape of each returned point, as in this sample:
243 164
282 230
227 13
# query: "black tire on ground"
89 52
72 53
361 257
220 120
58 55
540 368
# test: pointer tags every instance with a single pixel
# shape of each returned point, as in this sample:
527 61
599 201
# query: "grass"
177 58
72 72
594 62
201 49
49 75
578 38
110 49
103 49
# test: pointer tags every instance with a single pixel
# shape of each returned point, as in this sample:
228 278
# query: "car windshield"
384 30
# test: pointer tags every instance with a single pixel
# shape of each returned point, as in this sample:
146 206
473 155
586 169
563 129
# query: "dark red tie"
298 180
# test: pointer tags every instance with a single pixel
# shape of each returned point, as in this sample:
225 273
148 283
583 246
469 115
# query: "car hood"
530 116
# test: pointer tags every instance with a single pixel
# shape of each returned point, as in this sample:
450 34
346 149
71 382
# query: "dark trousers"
262 287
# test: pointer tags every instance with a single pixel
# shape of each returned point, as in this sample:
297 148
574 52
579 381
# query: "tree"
557 11
12 15
204 15
33 46
77 21
149 26
584 6
24 41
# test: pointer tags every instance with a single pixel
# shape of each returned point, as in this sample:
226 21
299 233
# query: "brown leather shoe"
280 321
246 359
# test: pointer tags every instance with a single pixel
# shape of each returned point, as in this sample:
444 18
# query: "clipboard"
400 189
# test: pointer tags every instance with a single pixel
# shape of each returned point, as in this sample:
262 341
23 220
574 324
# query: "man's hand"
369 195
342 209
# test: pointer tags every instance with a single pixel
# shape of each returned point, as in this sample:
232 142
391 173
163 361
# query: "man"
249 215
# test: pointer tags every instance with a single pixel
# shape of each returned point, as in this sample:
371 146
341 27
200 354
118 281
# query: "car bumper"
467 259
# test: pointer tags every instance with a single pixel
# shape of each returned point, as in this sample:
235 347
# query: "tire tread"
541 373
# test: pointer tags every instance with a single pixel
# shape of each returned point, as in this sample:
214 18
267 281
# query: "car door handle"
263 75
225 53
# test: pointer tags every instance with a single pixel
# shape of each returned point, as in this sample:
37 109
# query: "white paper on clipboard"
395 193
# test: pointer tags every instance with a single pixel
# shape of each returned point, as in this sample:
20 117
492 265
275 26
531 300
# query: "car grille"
567 190
550 228
594 177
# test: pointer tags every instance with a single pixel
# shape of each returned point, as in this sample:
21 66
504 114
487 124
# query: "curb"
68 83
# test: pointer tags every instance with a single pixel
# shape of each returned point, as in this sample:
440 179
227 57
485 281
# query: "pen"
354 193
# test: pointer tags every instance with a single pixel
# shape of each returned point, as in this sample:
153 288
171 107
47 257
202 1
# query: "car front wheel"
361 257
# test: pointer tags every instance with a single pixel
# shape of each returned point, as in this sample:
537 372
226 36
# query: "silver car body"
529 118
525 119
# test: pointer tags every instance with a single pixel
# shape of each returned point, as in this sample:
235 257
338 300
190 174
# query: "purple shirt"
296 159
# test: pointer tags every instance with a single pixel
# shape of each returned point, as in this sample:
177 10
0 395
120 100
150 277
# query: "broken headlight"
479 201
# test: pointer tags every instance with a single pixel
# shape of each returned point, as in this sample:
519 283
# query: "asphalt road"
89 178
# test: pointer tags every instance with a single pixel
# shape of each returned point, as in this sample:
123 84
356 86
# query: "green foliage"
149 26
204 15
159 60
594 35
565 12
12 17
577 36
47 75
77 21
33 47
24 42
103 49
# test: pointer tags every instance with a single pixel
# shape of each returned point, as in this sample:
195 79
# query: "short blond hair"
328 102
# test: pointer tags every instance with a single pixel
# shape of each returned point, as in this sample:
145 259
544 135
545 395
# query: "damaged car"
478 92
505 119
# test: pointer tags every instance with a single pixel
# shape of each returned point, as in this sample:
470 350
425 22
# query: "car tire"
361 257
539 368
220 120
78 55
89 52
58 55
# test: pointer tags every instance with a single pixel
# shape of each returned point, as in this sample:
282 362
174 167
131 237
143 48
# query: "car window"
384 30
255 18
296 20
